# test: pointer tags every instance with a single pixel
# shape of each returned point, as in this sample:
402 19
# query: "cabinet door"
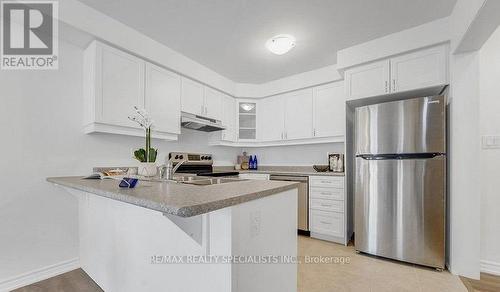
163 98
298 115
271 118
329 110
213 104
192 97
419 70
367 80
119 87
247 120
229 118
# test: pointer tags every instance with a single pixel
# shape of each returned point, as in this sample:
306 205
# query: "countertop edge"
186 211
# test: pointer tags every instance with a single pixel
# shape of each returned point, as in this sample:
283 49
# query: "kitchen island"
172 236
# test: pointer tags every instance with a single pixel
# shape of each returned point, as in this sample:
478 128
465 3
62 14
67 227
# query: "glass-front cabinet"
247 120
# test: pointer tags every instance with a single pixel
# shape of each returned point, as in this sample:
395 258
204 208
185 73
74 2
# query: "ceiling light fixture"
281 44
247 106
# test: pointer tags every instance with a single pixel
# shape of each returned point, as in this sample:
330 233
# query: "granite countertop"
285 170
176 198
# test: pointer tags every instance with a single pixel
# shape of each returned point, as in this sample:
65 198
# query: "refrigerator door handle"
399 156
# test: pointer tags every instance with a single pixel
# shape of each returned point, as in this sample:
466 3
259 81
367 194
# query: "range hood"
199 123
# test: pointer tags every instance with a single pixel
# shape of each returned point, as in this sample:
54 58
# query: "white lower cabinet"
327 223
327 208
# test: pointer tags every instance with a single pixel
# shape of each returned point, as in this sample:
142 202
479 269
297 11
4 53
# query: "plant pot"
147 169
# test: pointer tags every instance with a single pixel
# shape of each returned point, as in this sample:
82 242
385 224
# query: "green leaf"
140 154
152 154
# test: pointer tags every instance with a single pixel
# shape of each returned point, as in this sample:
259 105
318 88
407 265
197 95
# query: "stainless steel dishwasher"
303 198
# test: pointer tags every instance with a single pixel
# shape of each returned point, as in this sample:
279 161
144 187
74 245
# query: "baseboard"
39 275
490 267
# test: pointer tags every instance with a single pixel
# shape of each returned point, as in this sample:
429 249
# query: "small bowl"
321 168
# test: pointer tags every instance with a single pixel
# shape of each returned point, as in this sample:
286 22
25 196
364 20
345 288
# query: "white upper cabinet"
119 85
193 97
329 110
213 104
247 120
115 82
201 100
272 118
417 70
163 98
367 80
229 118
421 69
299 115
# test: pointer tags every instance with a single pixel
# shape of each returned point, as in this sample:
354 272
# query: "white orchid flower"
141 117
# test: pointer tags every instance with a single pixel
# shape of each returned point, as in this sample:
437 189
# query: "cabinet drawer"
327 223
327 181
327 205
327 193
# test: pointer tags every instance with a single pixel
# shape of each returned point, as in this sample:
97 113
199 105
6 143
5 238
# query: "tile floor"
363 273
366 273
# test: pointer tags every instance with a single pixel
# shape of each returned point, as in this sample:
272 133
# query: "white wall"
300 155
461 19
427 34
41 118
464 170
490 158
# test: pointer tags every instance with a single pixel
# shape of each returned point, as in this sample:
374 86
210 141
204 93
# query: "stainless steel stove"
197 163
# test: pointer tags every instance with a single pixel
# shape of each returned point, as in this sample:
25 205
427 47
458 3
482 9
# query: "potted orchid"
146 156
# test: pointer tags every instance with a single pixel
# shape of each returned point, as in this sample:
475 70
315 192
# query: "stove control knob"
176 156
181 156
209 158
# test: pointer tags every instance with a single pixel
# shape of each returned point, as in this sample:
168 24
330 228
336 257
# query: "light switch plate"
491 142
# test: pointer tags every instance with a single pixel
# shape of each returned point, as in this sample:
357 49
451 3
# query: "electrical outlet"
491 142
255 221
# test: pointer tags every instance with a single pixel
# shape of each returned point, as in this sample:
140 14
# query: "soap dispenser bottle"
255 163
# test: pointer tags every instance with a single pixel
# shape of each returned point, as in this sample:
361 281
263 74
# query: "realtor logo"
29 35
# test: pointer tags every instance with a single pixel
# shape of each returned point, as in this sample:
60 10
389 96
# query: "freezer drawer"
400 209
409 126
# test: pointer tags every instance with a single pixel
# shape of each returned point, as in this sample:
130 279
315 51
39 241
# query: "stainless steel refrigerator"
400 180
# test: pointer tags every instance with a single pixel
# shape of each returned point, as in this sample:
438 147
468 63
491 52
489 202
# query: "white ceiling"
228 36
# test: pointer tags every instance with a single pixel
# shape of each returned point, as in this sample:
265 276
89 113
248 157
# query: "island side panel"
267 226
117 241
